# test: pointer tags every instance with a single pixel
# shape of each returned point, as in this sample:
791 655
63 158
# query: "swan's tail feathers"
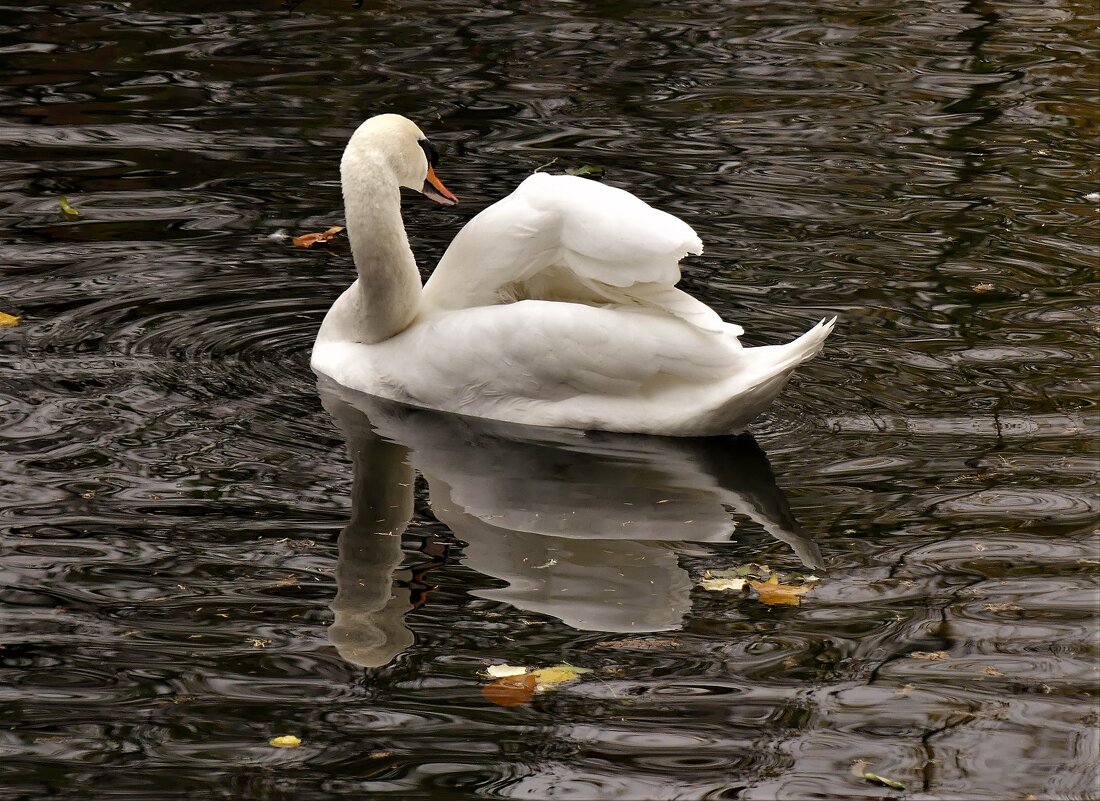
767 373
809 344
775 360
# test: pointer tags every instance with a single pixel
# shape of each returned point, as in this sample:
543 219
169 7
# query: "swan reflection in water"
584 527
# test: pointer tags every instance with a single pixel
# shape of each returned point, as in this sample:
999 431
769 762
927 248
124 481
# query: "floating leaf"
983 287
874 777
67 209
559 674
585 171
517 685
776 594
511 691
666 642
768 592
285 741
8 320
930 656
323 238
740 571
504 671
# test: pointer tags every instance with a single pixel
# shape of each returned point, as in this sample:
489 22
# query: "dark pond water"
181 581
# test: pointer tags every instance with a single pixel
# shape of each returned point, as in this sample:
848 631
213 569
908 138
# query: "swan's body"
555 306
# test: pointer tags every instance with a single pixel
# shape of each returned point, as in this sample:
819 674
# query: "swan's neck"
388 290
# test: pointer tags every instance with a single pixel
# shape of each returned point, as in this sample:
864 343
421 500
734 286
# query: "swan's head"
399 145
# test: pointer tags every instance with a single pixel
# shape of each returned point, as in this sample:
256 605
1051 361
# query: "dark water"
176 586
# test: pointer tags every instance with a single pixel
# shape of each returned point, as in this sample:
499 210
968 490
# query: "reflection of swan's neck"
368 626
388 290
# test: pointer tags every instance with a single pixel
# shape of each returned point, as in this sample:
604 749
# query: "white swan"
555 306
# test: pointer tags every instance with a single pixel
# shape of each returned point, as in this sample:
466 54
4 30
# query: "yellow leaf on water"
874 777
719 584
8 320
772 592
67 209
551 676
285 741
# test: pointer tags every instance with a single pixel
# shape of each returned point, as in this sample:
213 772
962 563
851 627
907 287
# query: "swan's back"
563 238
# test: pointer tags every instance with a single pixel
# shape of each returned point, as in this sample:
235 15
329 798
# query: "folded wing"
565 238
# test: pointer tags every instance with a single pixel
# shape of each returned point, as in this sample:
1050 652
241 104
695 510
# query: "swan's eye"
430 153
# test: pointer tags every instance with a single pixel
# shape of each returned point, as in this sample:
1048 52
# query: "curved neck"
386 297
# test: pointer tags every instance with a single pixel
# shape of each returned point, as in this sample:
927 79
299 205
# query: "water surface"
193 558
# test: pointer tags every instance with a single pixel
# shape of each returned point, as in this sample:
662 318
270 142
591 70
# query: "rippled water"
181 581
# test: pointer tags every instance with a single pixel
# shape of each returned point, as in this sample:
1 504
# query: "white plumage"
555 306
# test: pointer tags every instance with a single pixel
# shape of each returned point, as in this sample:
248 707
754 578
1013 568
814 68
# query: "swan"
555 306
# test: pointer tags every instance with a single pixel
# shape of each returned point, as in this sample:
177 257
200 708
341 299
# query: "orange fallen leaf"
983 287
511 691
323 238
772 592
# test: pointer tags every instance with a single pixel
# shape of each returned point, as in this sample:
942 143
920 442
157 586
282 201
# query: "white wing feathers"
565 238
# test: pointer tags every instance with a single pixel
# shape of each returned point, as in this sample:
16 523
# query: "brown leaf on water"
8 320
776 594
511 691
323 238
983 287
656 642
929 656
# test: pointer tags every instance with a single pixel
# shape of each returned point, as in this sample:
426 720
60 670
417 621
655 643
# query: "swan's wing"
564 238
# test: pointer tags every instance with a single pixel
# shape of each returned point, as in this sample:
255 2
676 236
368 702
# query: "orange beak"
434 188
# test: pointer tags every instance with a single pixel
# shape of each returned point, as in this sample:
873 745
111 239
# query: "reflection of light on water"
587 528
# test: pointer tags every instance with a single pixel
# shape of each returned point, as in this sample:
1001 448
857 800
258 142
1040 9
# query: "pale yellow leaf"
720 584
285 741
930 656
504 671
